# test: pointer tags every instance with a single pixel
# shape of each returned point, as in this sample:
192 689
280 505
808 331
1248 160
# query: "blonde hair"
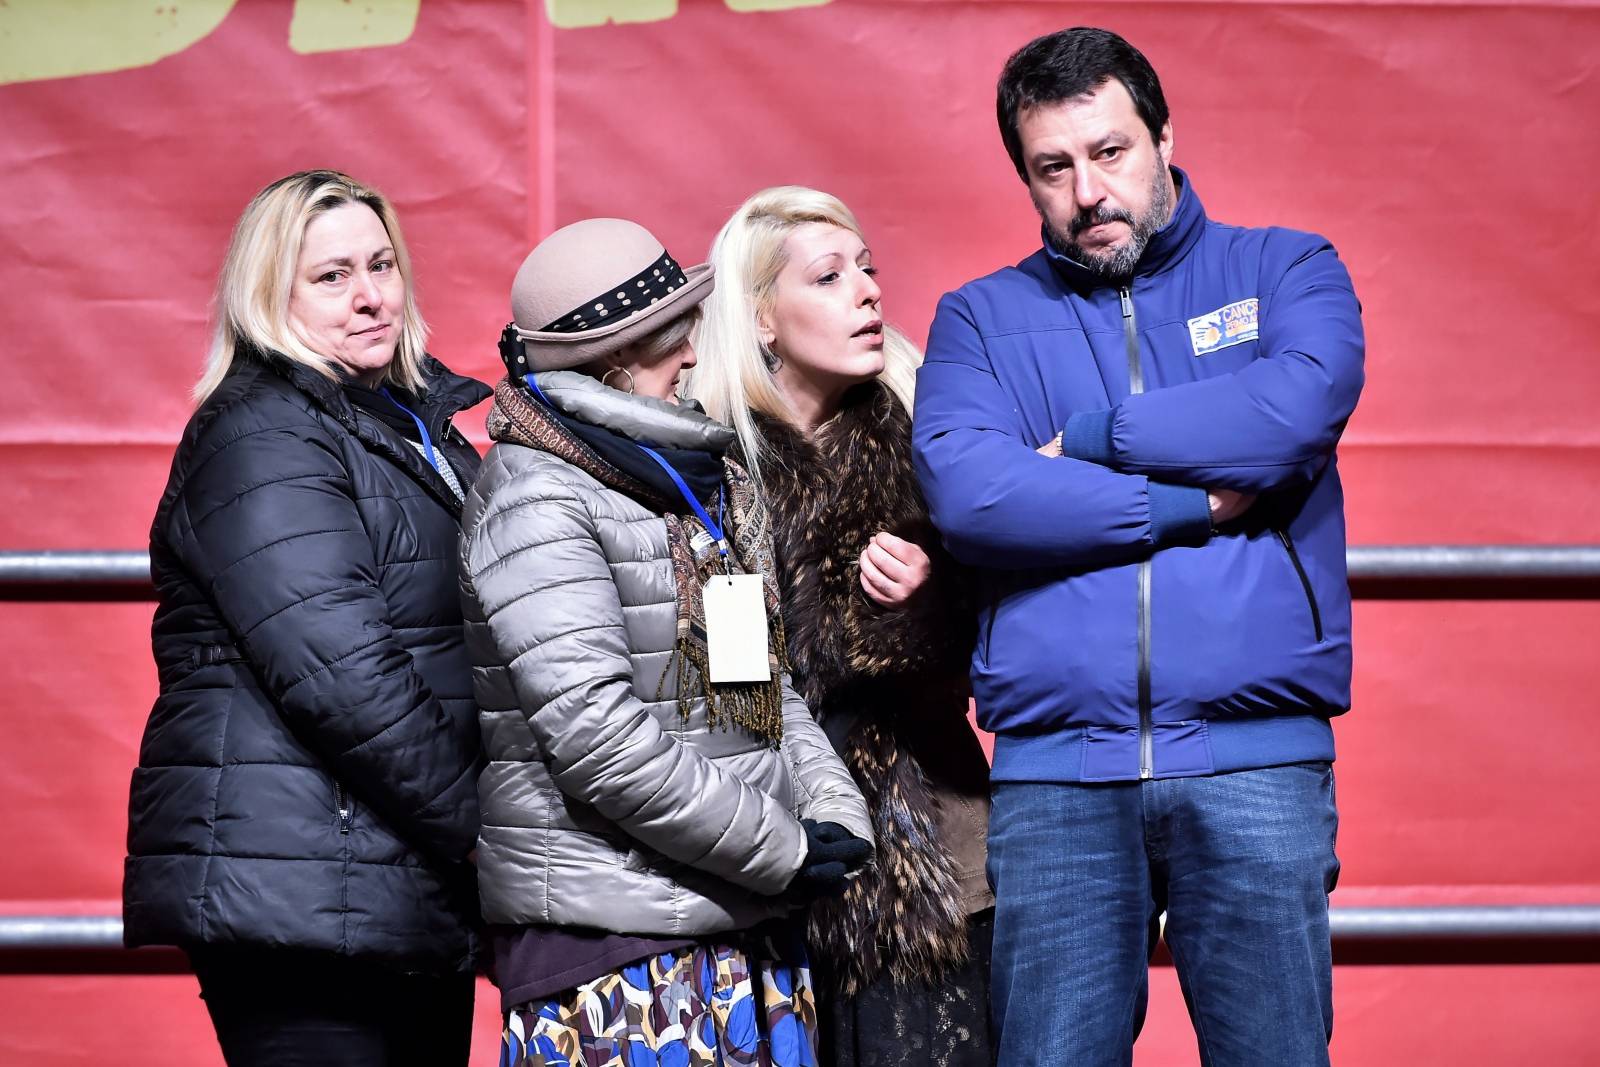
252 301
733 378
662 342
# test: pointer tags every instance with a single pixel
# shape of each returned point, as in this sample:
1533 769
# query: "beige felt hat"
592 288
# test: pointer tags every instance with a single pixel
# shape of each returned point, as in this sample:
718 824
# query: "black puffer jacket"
308 774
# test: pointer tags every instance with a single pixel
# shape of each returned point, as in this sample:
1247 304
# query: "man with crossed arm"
1130 435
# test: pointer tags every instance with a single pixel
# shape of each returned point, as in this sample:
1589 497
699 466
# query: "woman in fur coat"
795 356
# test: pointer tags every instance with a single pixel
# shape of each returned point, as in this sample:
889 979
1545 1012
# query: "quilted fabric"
603 806
307 775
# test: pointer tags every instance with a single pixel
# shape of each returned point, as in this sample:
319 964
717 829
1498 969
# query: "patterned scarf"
757 707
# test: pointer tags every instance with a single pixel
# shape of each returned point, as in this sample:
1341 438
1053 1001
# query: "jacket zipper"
344 808
410 460
1130 333
1305 582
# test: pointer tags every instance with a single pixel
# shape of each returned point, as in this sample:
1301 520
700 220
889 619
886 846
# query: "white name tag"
736 629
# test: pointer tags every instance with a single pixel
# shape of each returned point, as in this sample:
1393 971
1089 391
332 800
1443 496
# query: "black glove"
832 852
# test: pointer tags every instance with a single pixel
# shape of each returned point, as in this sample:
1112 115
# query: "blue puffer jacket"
1120 637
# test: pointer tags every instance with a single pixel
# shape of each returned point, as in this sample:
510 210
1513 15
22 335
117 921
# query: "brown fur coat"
889 685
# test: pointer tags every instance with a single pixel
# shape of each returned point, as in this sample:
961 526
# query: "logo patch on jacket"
1230 324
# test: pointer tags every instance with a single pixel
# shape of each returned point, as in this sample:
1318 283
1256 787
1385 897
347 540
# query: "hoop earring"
605 379
771 359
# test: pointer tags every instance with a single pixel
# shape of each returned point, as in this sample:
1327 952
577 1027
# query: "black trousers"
292 1009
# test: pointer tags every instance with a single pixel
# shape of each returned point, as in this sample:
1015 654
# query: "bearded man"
1129 436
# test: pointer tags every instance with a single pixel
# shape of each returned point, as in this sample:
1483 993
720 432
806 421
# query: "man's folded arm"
997 502
1268 425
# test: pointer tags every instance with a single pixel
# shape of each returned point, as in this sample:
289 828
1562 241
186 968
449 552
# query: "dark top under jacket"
307 776
534 963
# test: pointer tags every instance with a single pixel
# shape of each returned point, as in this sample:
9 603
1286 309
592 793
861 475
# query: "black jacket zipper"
1305 582
1130 333
343 805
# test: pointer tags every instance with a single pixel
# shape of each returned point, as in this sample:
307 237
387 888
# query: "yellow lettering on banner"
772 5
334 25
65 38
68 38
576 14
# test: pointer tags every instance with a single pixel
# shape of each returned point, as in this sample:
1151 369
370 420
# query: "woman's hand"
1051 448
832 852
892 569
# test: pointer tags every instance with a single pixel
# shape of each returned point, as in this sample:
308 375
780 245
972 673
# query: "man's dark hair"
1070 63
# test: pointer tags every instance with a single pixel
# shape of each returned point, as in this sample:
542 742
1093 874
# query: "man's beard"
1115 266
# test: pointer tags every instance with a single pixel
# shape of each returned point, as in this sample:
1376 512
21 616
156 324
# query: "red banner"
1446 149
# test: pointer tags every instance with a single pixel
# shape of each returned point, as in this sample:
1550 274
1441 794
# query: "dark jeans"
292 1009
1242 864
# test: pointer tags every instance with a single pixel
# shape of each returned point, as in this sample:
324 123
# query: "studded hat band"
640 291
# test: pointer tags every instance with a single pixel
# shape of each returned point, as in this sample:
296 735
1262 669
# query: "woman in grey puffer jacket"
646 831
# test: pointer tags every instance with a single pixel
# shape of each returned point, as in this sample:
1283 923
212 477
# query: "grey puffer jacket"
602 805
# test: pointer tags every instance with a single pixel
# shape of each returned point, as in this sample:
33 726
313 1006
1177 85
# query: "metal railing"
99 933
1499 572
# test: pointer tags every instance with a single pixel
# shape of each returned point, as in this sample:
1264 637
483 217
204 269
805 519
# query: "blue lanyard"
534 386
712 528
427 442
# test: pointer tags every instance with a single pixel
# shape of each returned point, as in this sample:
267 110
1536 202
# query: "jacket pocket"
211 655
1305 581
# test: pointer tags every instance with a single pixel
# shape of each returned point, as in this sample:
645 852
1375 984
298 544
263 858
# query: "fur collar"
827 496
879 679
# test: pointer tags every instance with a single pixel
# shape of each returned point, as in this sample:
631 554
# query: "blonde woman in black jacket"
305 804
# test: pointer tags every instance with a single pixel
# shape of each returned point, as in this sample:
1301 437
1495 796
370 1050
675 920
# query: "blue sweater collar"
1168 246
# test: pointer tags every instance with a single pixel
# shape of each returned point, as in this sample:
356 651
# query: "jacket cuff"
1179 515
1087 436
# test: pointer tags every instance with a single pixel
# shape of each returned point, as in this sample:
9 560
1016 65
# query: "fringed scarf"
757 707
